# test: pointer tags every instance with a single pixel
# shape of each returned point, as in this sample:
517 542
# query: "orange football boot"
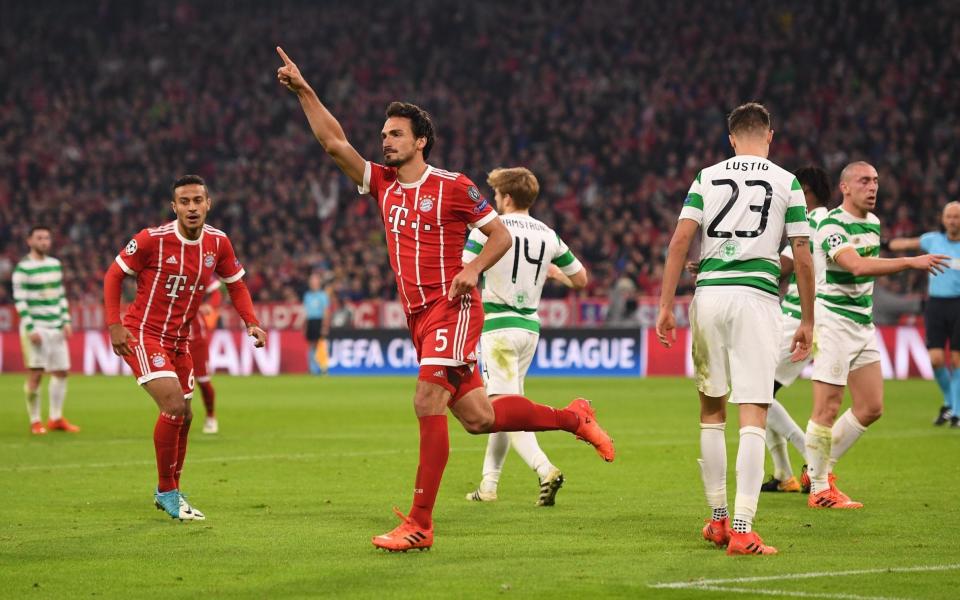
37 428
62 424
406 536
748 543
590 431
718 531
832 497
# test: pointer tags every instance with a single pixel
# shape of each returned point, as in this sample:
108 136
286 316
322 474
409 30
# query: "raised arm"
849 259
325 127
903 244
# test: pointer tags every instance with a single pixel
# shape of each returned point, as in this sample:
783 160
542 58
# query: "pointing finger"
283 55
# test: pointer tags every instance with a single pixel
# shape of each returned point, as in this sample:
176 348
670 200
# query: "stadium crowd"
614 105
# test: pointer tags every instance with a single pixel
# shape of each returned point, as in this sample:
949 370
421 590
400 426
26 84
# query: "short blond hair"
519 182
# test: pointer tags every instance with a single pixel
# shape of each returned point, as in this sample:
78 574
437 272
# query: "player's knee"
937 361
479 423
826 412
430 404
176 406
870 415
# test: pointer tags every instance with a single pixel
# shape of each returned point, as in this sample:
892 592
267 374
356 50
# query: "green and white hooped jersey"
38 293
512 287
838 290
743 205
790 305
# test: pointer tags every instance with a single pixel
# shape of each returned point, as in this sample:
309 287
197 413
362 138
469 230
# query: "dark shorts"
314 330
942 318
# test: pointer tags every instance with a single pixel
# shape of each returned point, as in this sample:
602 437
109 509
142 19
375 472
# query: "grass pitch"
306 470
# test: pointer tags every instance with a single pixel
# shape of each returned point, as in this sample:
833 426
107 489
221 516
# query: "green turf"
306 470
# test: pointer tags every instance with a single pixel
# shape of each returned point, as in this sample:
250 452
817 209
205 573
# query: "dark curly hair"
817 180
188 180
420 122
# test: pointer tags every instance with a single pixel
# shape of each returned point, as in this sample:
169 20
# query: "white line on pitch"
706 582
790 593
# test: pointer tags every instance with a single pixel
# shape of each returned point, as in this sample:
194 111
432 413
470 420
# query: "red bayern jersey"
427 223
172 275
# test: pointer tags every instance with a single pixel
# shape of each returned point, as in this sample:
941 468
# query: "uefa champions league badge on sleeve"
474 193
131 248
835 240
479 208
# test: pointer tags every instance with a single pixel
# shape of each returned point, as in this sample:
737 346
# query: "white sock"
845 432
525 443
33 404
780 421
777 445
749 477
497 446
713 464
818 456
57 391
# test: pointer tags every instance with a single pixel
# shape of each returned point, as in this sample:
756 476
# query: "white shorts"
736 342
841 346
507 354
51 354
787 370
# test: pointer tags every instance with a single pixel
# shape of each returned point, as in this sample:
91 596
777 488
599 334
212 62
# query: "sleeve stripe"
364 187
564 259
490 216
124 266
796 214
235 277
694 200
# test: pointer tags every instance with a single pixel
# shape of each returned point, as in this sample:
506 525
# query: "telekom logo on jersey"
176 284
398 218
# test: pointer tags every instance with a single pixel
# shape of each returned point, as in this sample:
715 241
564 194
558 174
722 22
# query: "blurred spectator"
890 302
614 105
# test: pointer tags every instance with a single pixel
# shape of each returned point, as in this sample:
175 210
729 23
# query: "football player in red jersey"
427 213
200 329
172 264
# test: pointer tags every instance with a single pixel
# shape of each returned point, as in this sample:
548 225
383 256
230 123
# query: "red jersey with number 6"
172 274
426 223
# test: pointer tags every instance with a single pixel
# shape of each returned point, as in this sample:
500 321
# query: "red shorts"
446 334
200 351
151 361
